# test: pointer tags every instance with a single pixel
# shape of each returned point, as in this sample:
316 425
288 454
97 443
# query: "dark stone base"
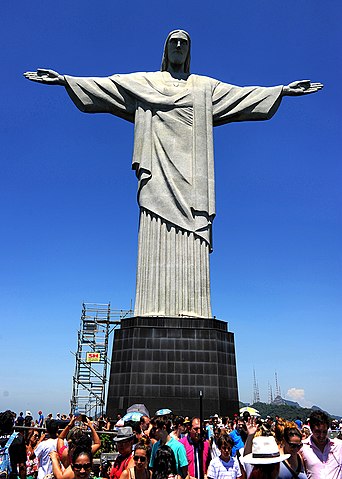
166 362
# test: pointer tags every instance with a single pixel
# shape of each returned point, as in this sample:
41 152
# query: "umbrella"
162 412
139 408
251 410
132 416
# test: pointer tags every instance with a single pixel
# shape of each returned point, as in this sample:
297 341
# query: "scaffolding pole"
90 378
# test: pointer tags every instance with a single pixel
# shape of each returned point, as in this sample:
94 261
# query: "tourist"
214 450
197 450
82 463
305 432
299 422
224 466
28 420
145 425
165 466
76 436
163 430
139 470
293 466
17 449
20 419
235 434
40 419
124 444
265 458
178 428
322 456
46 444
31 464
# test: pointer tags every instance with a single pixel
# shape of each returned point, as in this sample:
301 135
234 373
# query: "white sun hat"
264 451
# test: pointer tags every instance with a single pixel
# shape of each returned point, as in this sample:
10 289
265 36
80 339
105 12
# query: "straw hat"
264 451
124 434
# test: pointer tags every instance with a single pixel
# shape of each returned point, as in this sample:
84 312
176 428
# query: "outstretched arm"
49 77
301 87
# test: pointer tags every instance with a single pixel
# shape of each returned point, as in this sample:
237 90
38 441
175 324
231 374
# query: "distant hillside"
286 409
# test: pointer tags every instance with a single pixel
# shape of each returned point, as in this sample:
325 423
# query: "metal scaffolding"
90 378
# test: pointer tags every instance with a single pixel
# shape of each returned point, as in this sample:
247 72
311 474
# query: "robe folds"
174 162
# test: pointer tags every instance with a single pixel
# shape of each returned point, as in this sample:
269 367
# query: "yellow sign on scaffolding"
93 357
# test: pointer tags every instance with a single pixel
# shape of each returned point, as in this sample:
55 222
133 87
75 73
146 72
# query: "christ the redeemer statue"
174 113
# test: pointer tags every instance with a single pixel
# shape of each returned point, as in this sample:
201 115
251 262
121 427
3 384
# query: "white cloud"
298 395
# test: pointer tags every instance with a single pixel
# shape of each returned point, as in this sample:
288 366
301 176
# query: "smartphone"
84 418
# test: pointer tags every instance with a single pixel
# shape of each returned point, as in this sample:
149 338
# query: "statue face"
177 48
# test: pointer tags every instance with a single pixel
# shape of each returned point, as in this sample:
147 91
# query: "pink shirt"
322 465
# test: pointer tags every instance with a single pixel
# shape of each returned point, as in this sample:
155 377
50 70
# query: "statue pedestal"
165 363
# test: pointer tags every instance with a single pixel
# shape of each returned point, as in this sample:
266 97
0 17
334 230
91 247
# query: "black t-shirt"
20 421
17 451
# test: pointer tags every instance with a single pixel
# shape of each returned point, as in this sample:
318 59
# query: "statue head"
173 36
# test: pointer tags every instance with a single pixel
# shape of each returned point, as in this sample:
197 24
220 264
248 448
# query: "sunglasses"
78 467
139 458
294 445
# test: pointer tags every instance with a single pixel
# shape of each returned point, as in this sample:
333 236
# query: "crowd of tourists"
168 447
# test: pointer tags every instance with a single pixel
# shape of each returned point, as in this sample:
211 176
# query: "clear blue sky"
68 195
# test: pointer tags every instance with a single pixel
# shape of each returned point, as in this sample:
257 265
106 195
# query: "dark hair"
317 418
224 440
79 451
136 427
78 437
178 421
164 424
242 428
52 427
6 421
144 447
290 432
30 434
246 416
164 463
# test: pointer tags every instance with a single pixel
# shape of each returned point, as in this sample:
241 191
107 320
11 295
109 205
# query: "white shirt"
42 452
219 469
322 465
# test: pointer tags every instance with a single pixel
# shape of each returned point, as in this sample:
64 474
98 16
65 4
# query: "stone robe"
174 163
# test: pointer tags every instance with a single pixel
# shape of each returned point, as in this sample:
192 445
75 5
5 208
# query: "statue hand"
301 87
49 77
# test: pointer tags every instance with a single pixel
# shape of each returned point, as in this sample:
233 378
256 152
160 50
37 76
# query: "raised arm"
95 437
301 87
48 77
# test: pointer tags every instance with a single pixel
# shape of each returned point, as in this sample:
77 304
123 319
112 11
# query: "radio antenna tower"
270 394
256 395
277 391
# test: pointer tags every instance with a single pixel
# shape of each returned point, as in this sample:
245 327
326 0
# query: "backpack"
5 462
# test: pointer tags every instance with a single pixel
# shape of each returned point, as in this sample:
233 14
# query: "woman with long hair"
164 466
293 466
31 464
77 436
140 470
